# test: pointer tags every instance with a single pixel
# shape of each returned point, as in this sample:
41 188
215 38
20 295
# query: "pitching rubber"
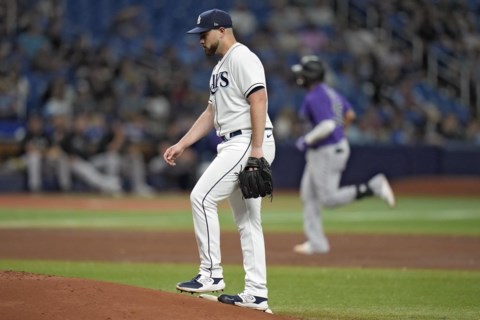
209 297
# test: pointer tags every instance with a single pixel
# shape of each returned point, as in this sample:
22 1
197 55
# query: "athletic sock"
363 190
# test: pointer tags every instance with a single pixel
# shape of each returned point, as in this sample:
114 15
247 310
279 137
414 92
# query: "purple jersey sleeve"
324 103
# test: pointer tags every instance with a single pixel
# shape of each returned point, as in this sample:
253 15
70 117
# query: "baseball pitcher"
237 109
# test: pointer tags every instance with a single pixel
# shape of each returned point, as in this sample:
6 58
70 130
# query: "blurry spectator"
287 125
14 86
189 52
473 132
425 24
32 40
80 147
450 128
401 131
283 16
4 30
13 95
99 78
287 41
313 39
185 173
366 130
129 89
361 41
157 106
83 103
41 155
157 73
54 35
319 13
48 61
365 71
79 54
58 127
127 29
58 98
41 41
149 59
471 39
244 20
118 156
34 146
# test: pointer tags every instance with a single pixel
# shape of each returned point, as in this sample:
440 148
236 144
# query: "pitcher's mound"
30 296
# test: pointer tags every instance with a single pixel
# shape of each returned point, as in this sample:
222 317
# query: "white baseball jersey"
234 77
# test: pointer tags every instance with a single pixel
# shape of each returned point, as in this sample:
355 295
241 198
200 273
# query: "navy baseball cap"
212 19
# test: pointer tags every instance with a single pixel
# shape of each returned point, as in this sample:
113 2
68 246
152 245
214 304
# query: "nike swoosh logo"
269 135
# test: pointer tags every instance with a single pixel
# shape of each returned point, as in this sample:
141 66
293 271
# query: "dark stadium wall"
395 161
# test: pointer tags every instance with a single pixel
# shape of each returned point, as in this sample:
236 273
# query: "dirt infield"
438 186
28 296
385 251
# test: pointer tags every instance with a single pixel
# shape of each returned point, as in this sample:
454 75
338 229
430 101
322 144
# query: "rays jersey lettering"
219 79
232 80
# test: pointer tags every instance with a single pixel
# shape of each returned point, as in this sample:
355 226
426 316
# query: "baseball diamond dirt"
31 296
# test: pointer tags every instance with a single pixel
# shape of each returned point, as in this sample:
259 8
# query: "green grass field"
413 215
314 293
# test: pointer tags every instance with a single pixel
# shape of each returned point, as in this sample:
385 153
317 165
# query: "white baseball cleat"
201 284
231 299
307 249
246 301
381 188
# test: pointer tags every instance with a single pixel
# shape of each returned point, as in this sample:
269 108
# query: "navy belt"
230 135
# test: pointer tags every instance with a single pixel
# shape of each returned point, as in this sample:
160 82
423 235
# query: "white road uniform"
236 75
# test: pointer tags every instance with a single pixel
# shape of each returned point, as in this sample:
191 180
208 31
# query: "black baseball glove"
256 179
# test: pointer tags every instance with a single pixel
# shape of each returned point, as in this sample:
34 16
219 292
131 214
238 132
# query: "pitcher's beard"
210 51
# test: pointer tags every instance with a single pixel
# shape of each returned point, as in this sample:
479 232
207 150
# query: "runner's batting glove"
301 144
